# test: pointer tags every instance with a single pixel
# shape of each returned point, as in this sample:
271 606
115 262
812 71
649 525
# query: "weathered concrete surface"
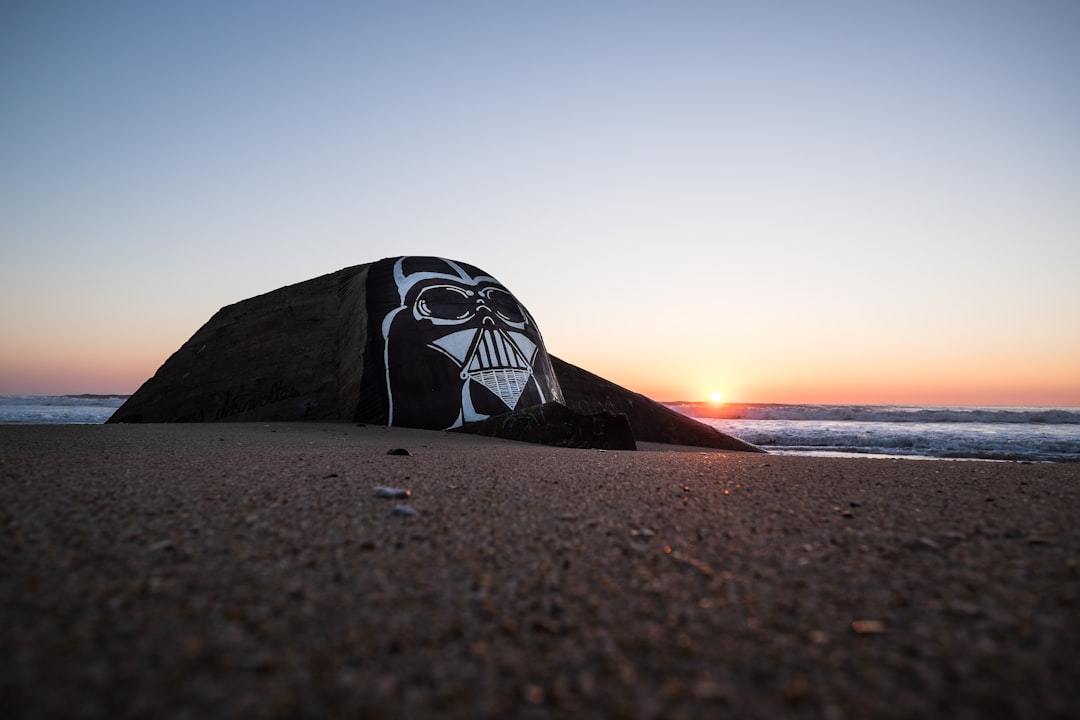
301 353
296 353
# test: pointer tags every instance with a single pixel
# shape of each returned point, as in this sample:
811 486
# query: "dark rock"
397 451
649 421
555 424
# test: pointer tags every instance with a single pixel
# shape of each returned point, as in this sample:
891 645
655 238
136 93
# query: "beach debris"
922 543
398 451
640 539
404 511
393 493
868 627
690 562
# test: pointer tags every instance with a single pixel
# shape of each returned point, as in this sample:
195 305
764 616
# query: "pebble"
382 491
868 627
397 451
404 511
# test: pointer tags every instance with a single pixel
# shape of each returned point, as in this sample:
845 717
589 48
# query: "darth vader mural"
456 346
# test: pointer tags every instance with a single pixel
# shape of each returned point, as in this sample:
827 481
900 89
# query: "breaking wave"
58 409
985 433
882 413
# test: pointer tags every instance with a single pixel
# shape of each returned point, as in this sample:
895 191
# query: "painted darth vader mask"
457 345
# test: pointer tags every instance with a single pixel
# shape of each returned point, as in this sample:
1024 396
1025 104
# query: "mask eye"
444 304
504 305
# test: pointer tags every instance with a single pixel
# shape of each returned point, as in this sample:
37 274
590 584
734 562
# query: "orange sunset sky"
836 202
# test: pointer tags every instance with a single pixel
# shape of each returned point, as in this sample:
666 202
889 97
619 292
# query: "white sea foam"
58 409
993 433
883 413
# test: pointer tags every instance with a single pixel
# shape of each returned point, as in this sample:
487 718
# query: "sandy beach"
250 571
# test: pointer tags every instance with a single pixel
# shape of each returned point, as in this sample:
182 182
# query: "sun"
716 397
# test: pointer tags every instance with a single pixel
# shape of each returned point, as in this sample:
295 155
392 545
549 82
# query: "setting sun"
716 396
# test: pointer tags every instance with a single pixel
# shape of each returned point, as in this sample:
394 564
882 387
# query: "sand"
246 571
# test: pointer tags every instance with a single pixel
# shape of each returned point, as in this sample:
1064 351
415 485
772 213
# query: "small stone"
961 607
797 688
393 493
534 694
710 690
672 687
868 627
404 511
397 451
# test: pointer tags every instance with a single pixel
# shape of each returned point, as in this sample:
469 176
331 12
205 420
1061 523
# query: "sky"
828 202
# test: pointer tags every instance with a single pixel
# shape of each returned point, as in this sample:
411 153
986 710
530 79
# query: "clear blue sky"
788 201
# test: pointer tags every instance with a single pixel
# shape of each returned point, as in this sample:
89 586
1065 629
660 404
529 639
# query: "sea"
955 432
59 409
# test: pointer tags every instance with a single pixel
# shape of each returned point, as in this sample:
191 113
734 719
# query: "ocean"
1034 434
59 409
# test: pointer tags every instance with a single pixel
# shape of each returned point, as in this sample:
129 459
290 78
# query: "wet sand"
246 571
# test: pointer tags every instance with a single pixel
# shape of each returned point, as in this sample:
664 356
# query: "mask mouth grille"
496 363
506 384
